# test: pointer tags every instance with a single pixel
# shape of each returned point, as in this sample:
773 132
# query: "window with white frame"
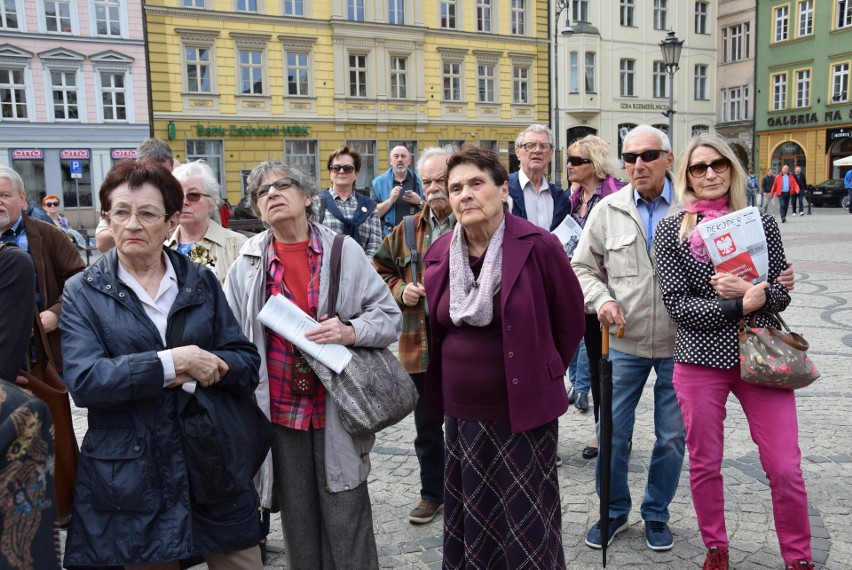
108 18
294 8
367 150
779 92
700 82
782 23
661 10
735 104
13 94
803 88
627 76
840 82
521 85
591 85
486 79
452 79
355 10
701 17
304 155
298 74
448 14
519 17
9 15
736 42
193 3
574 72
659 79
483 15
64 95
251 72
396 12
198 68
628 9
357 75
806 18
246 5
843 17
580 10
57 16
113 96
211 151
398 77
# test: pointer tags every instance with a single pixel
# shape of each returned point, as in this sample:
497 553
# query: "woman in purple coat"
507 316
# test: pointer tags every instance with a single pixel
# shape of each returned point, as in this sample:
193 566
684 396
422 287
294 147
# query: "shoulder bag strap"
411 242
334 274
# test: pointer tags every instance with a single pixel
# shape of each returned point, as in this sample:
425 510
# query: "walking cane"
605 443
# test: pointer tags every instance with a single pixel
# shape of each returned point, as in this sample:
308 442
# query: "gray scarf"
471 300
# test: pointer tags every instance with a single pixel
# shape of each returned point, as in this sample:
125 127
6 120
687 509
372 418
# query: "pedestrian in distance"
802 183
766 187
752 189
785 188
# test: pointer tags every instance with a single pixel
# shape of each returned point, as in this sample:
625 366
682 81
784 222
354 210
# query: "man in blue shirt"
847 183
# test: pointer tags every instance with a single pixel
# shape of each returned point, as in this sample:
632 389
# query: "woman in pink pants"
707 306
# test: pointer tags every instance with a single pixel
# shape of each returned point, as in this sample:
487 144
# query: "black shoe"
581 402
590 452
558 460
629 446
570 393
783 220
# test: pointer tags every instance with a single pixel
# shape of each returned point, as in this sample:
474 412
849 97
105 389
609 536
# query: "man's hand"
786 278
412 293
395 191
411 197
49 321
611 315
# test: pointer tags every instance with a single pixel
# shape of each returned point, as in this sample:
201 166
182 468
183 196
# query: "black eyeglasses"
578 161
51 204
345 168
700 170
193 197
281 184
646 156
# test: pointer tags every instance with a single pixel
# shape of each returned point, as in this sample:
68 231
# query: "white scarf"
471 300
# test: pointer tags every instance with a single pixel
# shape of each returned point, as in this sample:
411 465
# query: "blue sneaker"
658 536
616 525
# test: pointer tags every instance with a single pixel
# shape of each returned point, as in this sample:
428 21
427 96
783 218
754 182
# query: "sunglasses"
51 204
646 156
281 184
700 170
345 168
578 161
194 197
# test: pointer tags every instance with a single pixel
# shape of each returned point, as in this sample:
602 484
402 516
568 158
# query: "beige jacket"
223 245
613 264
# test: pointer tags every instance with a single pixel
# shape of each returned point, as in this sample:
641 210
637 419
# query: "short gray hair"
649 130
534 128
154 150
10 174
304 181
199 169
445 151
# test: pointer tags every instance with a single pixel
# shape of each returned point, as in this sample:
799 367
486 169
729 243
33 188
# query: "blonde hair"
685 194
599 153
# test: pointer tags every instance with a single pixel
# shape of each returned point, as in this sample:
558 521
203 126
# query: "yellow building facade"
239 81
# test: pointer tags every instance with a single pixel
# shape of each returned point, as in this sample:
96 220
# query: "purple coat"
543 319
608 186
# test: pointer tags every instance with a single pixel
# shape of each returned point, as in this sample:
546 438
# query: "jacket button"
89 279
511 355
121 295
108 287
508 327
136 448
346 487
515 381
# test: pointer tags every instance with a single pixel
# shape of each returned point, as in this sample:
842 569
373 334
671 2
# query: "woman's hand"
332 331
755 298
729 286
194 363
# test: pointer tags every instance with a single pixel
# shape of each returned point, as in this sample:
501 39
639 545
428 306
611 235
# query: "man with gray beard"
393 262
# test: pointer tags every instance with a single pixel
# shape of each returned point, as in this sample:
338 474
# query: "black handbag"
373 391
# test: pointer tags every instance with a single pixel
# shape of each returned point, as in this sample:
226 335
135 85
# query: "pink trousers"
703 393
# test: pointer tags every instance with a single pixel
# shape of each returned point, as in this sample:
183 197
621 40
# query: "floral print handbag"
774 358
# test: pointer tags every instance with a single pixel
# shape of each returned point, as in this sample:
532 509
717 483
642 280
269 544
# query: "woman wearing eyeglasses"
343 210
707 306
138 326
317 470
590 168
204 240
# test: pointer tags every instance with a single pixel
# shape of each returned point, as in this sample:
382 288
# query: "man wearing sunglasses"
532 196
398 192
615 264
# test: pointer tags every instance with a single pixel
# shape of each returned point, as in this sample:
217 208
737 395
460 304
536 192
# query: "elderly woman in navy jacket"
507 316
126 359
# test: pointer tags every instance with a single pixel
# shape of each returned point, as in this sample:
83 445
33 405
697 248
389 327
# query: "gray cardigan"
364 300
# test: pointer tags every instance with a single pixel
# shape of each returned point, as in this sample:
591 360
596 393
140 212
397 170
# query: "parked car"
243 219
830 193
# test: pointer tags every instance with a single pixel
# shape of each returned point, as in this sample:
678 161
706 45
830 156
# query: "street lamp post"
671 47
561 6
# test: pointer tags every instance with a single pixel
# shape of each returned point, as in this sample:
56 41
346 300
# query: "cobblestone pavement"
821 310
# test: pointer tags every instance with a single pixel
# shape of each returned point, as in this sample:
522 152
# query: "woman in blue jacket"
127 359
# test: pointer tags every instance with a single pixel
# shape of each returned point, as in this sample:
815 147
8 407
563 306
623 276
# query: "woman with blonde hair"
707 306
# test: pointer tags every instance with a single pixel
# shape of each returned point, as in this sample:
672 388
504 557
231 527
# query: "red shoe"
801 565
717 559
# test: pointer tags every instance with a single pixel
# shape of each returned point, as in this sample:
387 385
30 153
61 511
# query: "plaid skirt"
501 498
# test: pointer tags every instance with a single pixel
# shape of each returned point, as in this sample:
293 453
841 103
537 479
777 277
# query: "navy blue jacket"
561 203
132 502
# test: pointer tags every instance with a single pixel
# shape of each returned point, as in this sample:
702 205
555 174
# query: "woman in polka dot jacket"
710 182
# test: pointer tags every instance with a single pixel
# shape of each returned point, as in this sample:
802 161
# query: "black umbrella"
605 440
